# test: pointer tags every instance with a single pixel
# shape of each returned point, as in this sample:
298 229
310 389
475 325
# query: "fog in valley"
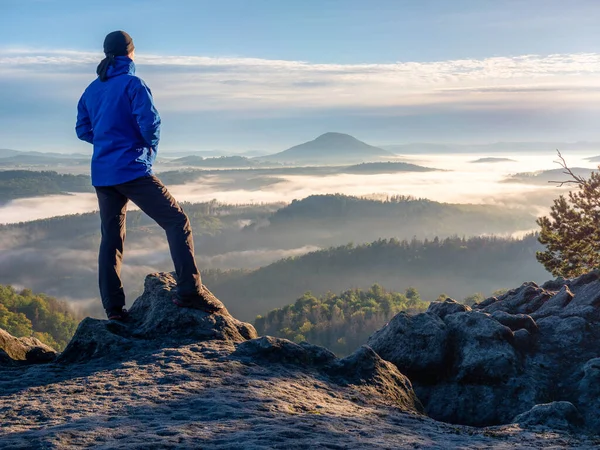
458 180
246 219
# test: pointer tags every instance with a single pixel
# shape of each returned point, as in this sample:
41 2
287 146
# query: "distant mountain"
492 160
385 167
6 152
331 148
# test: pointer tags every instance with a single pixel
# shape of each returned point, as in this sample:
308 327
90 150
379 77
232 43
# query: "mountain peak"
332 147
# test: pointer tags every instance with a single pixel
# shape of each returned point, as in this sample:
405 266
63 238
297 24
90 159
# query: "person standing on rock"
116 114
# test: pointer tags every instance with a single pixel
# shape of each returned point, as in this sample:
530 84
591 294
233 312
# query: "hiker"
116 114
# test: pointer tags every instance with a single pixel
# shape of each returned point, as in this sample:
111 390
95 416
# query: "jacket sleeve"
145 113
83 128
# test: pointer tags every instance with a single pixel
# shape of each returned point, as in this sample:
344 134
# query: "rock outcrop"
24 350
154 322
180 378
531 355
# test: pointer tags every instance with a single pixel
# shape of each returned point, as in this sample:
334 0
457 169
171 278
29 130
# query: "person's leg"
113 210
154 199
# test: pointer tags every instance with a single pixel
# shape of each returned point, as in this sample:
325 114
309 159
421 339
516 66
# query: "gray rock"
492 374
483 348
417 345
476 404
283 351
589 393
554 305
516 321
524 300
28 349
484 304
447 307
524 340
364 367
154 319
556 416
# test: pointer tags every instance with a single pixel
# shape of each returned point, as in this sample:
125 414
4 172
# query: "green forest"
26 183
339 322
45 318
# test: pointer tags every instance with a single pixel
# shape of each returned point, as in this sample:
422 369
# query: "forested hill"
455 266
27 314
339 322
26 183
327 220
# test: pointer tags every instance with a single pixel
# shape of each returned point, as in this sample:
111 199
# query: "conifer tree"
571 232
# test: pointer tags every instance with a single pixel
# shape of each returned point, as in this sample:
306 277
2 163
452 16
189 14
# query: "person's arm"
145 113
83 128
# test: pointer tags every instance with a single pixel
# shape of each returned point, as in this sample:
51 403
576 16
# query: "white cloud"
198 83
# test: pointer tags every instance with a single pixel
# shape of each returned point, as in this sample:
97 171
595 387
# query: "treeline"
26 183
27 314
339 322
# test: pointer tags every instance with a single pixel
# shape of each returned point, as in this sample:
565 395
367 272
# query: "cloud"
200 83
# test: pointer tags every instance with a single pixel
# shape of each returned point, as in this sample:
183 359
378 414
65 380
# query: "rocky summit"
530 356
182 378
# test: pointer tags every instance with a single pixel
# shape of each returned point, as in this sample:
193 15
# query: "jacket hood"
123 65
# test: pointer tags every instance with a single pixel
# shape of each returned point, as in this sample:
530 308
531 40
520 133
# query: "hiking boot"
198 301
120 315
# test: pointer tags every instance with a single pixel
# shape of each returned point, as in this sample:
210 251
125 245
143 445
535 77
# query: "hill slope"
330 148
455 266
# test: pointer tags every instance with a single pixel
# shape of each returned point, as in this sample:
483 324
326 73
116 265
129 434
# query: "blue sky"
266 74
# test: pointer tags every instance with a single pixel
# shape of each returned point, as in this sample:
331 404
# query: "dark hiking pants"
152 197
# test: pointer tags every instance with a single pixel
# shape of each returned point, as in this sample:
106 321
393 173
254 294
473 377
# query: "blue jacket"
118 117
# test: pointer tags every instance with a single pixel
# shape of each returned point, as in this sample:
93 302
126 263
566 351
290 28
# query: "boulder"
278 350
27 349
523 300
153 320
516 321
478 405
483 348
531 346
556 416
589 393
364 368
447 307
417 345
555 305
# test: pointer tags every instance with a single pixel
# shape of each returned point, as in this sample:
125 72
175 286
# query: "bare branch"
575 178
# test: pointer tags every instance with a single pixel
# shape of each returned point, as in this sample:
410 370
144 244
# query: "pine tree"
571 232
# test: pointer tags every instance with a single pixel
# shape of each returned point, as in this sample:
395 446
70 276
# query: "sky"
240 75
